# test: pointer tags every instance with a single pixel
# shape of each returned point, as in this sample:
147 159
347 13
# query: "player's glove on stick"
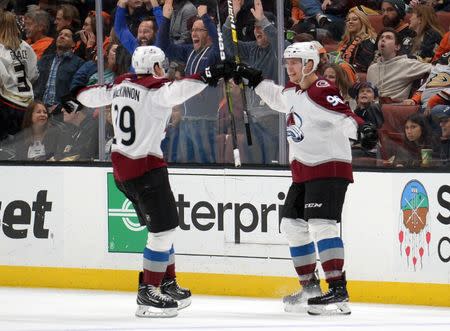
213 73
70 103
254 76
367 135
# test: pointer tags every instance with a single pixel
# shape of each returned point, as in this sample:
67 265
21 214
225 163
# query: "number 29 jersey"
140 109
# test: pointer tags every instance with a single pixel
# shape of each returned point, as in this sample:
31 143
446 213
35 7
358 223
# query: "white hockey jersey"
141 109
18 70
319 125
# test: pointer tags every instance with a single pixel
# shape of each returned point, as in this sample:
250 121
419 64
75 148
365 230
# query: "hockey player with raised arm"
141 106
319 126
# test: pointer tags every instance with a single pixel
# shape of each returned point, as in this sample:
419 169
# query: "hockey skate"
297 302
152 303
334 302
181 295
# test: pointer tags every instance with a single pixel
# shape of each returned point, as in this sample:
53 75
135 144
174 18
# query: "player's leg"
169 284
161 207
323 208
151 302
302 249
155 209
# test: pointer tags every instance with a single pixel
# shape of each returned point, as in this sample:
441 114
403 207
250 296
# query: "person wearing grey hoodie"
260 54
394 74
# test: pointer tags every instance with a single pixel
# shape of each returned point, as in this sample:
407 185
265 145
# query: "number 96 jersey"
141 108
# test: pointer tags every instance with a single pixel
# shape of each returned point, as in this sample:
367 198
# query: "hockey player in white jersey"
18 70
319 125
141 107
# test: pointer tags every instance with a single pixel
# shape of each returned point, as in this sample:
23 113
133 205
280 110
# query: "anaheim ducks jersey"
438 80
318 127
18 70
141 109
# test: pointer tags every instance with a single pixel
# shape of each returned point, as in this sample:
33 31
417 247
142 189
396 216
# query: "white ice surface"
53 309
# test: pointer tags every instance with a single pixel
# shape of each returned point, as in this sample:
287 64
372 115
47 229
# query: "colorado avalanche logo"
294 123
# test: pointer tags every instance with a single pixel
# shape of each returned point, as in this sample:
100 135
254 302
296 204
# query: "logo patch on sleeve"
322 83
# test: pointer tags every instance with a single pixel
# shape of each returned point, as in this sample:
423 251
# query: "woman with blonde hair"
428 30
358 43
18 69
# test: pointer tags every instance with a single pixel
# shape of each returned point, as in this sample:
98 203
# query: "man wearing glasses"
196 141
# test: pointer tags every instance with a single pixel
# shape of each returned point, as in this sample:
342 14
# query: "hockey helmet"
305 51
145 58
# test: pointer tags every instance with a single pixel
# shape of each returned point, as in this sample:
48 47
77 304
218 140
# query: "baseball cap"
441 112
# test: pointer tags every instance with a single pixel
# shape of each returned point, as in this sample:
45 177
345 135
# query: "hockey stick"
229 96
237 59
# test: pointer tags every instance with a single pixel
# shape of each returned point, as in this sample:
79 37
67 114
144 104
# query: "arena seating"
391 133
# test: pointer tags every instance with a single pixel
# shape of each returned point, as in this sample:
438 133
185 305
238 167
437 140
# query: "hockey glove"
70 104
367 135
254 76
213 73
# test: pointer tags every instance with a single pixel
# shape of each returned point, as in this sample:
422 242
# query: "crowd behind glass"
389 60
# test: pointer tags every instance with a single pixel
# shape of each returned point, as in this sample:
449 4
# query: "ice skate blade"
296 308
153 312
183 303
340 308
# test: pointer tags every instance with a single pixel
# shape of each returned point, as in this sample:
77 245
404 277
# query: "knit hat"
399 6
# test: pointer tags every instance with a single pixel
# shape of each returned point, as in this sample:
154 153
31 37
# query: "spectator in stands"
110 72
417 136
326 59
146 33
244 19
56 72
444 47
197 130
18 70
358 43
437 5
123 60
38 138
442 114
204 50
394 12
433 91
394 74
135 12
260 54
334 73
67 17
79 140
37 27
428 32
329 14
88 35
368 108
183 11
